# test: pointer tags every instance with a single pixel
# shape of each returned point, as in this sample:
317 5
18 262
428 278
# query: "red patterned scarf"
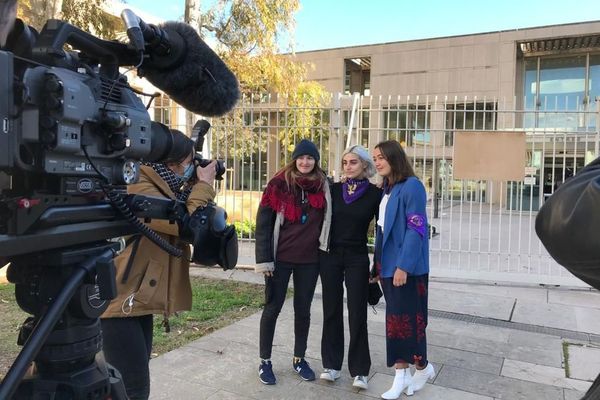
279 198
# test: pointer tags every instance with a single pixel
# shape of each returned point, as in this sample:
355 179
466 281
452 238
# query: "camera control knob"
47 122
47 130
53 102
118 142
131 172
53 84
54 92
48 137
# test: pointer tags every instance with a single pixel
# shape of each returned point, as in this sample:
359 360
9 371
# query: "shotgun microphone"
181 64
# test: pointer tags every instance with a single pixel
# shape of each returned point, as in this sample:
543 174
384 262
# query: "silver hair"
364 156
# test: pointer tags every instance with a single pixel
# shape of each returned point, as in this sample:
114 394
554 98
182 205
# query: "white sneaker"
421 376
360 382
330 374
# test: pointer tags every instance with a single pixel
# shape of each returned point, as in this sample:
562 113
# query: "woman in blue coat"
402 257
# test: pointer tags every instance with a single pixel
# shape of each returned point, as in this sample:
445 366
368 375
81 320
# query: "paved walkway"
485 341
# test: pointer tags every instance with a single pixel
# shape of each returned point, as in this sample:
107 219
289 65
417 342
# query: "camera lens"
162 142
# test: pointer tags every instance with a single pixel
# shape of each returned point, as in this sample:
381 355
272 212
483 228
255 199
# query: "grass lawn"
12 318
216 303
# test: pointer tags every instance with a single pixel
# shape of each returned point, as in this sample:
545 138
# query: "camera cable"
115 81
116 200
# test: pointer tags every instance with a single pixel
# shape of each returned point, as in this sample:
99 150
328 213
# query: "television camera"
73 133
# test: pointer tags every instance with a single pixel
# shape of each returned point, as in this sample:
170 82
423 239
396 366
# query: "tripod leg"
117 388
48 321
39 335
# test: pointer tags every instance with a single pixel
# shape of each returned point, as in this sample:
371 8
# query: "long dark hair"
394 154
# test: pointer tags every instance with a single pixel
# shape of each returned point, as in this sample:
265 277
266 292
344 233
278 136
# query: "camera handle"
177 212
97 377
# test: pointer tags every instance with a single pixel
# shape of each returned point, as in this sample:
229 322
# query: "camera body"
71 127
72 135
69 110
62 112
219 167
199 131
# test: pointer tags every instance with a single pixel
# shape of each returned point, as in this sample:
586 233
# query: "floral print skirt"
406 320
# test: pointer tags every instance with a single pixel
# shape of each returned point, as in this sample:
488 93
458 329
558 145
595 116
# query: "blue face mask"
187 173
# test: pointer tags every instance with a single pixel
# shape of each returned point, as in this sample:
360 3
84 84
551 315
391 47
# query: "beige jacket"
157 282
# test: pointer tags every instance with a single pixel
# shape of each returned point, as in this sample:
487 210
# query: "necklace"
304 205
351 188
354 189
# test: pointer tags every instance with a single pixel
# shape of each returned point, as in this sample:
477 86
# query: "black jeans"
305 281
127 347
349 265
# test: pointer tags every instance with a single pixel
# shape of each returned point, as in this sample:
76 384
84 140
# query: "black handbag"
568 224
375 292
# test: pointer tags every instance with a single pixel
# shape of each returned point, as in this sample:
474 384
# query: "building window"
408 125
360 129
165 111
357 75
560 92
469 116
363 139
530 92
594 89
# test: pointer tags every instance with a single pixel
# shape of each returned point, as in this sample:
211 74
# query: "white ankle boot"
402 381
421 376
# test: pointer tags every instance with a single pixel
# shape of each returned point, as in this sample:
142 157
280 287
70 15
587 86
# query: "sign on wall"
489 155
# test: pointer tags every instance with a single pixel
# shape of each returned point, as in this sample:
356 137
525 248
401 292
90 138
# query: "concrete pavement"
485 341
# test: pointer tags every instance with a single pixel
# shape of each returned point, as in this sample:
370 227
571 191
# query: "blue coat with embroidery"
405 236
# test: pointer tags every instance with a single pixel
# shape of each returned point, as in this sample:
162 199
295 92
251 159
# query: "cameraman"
149 280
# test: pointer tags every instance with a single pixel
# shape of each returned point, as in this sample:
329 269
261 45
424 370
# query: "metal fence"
481 229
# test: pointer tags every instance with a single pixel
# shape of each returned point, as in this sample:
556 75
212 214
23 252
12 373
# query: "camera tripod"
66 290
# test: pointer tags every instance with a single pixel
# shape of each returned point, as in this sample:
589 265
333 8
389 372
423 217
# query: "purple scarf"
353 189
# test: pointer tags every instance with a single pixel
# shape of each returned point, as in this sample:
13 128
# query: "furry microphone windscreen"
200 82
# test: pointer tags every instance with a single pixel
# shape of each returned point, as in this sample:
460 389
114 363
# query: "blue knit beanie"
306 147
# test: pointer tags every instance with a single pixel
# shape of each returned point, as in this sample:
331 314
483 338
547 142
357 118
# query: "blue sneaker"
265 373
303 369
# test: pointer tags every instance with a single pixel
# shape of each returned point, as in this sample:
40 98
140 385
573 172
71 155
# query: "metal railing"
483 229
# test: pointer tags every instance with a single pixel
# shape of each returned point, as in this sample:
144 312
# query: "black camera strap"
135 239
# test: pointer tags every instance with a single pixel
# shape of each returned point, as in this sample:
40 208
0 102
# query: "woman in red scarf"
292 224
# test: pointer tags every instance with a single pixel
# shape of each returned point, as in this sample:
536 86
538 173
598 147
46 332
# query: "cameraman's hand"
208 173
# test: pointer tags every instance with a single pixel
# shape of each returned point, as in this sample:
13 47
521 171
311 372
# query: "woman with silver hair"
355 202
